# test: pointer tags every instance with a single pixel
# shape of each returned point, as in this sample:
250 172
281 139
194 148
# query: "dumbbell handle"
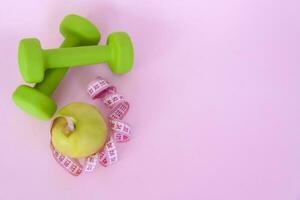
76 56
54 76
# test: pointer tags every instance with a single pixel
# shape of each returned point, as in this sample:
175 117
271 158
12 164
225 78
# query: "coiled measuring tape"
119 131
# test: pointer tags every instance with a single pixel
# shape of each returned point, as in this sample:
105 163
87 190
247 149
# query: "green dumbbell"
33 60
37 101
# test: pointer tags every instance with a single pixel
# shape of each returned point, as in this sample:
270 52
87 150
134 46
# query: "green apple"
78 130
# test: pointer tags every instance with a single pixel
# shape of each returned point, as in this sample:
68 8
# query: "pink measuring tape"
118 130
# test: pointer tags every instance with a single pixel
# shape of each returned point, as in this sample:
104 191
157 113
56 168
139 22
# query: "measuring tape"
119 131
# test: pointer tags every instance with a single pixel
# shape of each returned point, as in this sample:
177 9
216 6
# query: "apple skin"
89 134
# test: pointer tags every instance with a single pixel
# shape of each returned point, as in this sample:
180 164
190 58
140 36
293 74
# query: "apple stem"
70 125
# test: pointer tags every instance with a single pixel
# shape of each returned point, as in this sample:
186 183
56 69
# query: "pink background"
214 93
